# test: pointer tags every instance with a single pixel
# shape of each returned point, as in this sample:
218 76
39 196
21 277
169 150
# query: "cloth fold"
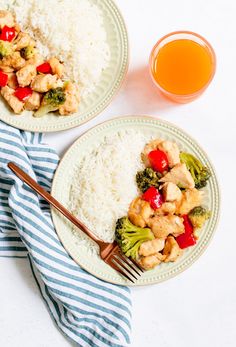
87 310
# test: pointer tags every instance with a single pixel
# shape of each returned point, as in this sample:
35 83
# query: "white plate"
86 255
97 100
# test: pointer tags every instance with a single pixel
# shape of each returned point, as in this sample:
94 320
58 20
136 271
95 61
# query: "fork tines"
127 267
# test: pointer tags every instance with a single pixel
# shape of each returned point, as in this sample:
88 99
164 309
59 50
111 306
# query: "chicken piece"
42 83
12 80
171 192
151 146
172 152
179 175
162 226
6 18
57 67
36 60
5 68
151 261
33 102
13 101
26 75
151 247
171 250
23 40
71 104
191 198
139 212
166 208
14 61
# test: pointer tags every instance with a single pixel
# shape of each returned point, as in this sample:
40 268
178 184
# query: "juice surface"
182 67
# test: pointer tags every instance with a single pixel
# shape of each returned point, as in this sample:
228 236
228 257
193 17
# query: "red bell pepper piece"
7 33
158 160
186 239
3 79
44 68
153 196
23 93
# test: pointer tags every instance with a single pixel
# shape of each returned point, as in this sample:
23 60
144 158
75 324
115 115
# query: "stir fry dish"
27 80
168 213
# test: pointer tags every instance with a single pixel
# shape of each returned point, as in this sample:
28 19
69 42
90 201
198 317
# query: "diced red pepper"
3 79
23 93
153 196
186 239
44 68
7 33
158 160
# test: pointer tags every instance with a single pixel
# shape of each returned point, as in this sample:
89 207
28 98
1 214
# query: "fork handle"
51 200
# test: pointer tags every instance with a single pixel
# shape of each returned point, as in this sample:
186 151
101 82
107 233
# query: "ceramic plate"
96 101
85 253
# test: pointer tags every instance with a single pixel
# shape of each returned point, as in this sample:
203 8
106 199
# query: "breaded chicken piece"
36 60
6 18
12 100
151 247
42 83
26 75
171 192
172 152
171 250
151 146
12 80
190 198
162 226
179 175
57 67
71 104
33 102
139 212
14 61
23 40
166 208
151 261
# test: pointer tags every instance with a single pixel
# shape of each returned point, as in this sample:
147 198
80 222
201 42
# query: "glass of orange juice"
182 65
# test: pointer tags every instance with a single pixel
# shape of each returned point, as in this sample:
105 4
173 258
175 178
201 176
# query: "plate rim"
108 96
171 274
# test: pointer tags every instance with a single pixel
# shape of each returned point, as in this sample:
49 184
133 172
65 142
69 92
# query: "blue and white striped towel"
86 309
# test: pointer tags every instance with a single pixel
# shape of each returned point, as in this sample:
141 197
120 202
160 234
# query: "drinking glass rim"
198 36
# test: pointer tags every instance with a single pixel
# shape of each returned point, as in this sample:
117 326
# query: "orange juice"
182 65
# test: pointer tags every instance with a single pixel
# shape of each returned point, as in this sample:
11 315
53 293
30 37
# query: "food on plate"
168 209
199 172
30 86
71 53
147 178
130 237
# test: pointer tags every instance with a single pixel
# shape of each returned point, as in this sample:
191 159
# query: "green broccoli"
51 101
130 237
146 179
198 216
199 172
27 52
5 48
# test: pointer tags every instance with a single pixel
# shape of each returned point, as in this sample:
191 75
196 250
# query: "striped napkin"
87 310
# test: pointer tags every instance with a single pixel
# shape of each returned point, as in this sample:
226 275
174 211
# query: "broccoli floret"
198 216
130 237
27 52
199 172
51 101
5 48
146 179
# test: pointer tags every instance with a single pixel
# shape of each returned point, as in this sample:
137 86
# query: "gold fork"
109 252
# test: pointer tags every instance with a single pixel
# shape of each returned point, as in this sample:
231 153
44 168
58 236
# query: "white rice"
104 183
71 30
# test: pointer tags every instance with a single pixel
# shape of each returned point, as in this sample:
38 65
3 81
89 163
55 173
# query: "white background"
197 308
